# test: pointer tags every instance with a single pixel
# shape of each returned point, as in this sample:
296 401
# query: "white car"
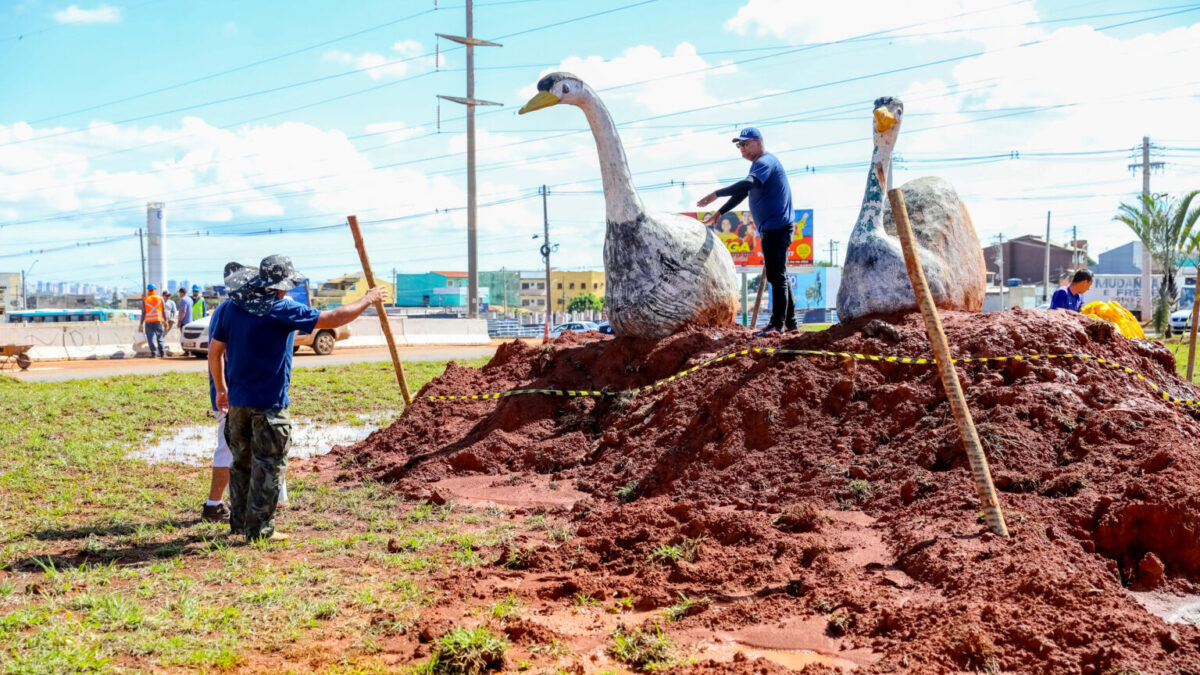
194 338
576 326
1181 320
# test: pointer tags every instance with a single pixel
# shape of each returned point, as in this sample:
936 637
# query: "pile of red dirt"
745 460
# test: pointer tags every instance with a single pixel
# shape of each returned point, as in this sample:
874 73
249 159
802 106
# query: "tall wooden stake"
383 320
762 281
941 350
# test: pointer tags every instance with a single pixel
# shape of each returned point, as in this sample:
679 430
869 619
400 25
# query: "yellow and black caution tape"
907 360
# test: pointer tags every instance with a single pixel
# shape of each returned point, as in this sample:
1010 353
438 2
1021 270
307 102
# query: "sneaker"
215 514
769 331
791 329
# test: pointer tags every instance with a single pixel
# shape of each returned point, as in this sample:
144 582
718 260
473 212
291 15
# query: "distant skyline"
262 125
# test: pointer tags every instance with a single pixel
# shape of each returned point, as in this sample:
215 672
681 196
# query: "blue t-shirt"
212 387
258 351
185 311
1064 299
771 196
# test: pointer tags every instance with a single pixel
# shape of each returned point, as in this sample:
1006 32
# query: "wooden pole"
383 321
762 281
941 350
1192 340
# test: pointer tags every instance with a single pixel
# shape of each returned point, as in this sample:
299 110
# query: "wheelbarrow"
16 355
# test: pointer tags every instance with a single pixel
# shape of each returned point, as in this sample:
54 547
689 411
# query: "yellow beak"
884 119
543 99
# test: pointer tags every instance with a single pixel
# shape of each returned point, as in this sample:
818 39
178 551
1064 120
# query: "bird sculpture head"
889 110
556 88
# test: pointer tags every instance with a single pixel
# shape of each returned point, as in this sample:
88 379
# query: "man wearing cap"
152 320
252 338
771 206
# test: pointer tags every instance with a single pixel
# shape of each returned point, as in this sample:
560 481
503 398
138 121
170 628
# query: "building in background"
504 286
1124 259
1024 258
62 301
10 291
435 289
566 286
533 291
344 290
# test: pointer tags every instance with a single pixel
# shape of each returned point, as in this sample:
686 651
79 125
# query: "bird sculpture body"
874 277
663 270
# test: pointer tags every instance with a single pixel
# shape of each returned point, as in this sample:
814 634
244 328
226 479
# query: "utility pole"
142 250
1046 267
1146 165
546 254
1000 266
1074 247
470 42
833 246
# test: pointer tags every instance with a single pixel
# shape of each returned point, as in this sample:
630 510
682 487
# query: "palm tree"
1164 225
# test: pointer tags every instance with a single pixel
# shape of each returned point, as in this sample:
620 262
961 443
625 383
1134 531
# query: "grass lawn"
1179 346
105 566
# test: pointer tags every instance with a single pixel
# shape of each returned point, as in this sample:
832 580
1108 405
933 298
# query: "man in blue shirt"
254 337
1071 297
771 206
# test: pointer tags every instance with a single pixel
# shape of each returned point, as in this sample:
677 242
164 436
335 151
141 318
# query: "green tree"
1165 227
584 302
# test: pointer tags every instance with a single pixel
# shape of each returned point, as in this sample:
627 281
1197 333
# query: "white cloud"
407 54
680 79
101 14
799 22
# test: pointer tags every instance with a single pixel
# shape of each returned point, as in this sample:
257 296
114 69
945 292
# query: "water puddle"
794 659
1170 608
194 444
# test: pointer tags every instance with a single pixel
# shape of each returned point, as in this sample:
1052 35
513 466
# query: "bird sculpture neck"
621 202
870 216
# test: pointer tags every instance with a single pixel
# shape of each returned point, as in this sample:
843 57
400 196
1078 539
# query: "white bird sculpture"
874 278
663 270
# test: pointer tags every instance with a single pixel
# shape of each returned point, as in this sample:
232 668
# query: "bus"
72 315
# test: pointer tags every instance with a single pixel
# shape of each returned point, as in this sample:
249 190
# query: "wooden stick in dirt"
762 281
383 321
1192 342
941 350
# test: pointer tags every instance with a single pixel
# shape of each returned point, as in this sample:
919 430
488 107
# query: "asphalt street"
57 371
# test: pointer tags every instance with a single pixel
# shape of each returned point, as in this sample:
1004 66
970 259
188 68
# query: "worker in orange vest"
152 321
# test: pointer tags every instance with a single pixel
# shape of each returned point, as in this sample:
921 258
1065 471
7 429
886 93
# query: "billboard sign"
1125 289
737 231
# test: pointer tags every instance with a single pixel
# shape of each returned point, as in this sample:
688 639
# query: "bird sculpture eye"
566 89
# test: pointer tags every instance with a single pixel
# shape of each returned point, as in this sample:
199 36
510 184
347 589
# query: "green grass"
1179 347
104 565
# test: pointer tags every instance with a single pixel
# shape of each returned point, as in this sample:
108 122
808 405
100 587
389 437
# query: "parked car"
605 327
1181 320
576 326
194 336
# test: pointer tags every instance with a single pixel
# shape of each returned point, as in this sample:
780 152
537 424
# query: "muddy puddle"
1170 608
194 444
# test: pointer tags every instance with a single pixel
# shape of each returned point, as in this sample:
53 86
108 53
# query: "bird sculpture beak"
884 119
543 99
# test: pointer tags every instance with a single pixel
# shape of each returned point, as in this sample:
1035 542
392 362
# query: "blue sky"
342 119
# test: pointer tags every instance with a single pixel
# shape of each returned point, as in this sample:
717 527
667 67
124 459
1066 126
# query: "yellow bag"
1117 315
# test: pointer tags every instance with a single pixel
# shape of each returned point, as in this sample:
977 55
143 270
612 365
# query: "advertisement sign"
817 289
737 231
1125 289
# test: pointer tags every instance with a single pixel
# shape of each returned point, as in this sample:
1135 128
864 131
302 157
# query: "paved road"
57 371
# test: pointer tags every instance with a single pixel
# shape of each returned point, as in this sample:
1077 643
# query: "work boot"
215 514
768 331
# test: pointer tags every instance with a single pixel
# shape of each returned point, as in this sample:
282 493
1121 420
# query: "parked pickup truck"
194 339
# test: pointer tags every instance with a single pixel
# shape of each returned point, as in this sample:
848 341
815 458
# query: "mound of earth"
835 490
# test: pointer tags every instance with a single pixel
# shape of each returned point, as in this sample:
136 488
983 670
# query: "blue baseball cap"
195 287
748 134
151 287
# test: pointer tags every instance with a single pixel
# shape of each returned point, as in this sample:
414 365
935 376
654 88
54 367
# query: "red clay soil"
1099 480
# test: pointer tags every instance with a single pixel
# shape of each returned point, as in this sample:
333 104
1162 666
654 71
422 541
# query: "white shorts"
222 456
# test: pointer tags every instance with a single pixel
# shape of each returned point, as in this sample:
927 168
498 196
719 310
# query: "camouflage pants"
259 440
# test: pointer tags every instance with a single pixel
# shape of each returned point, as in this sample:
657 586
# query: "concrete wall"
114 339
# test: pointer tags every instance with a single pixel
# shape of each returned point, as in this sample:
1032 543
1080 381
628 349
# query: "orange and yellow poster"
736 230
